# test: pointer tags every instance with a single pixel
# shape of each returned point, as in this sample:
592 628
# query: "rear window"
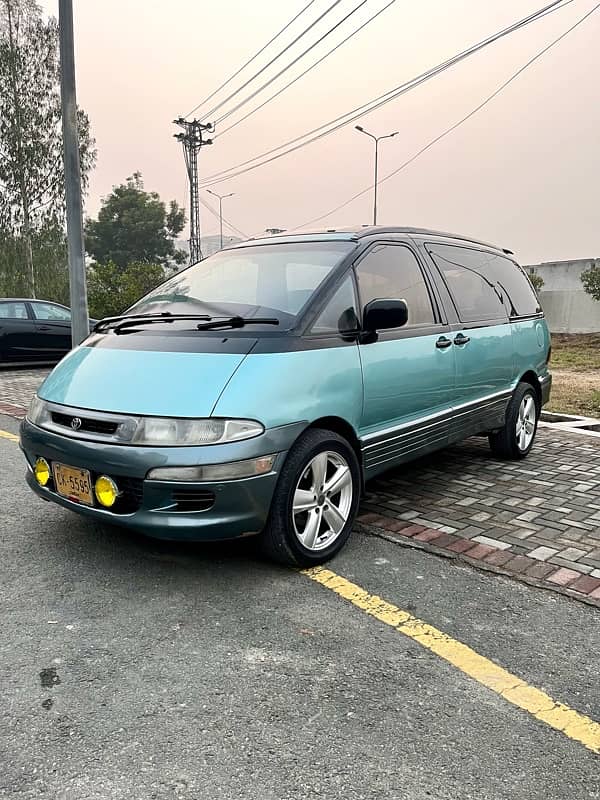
484 285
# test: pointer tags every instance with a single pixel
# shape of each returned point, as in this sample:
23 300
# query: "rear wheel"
515 439
315 501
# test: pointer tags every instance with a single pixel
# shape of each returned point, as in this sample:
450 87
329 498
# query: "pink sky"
523 173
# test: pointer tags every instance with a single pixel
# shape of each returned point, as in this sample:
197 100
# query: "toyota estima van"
255 392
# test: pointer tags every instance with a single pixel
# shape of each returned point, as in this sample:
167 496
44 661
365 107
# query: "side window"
13 311
521 296
50 311
477 296
392 271
340 312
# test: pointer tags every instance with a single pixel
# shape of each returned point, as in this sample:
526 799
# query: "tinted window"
392 271
340 312
477 297
50 311
266 280
508 278
522 299
13 311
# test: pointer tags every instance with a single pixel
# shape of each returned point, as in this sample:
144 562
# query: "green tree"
32 198
134 225
536 280
591 280
112 289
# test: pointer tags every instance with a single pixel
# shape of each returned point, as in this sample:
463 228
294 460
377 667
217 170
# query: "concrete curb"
483 556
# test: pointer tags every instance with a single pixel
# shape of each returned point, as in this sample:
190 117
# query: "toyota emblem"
76 423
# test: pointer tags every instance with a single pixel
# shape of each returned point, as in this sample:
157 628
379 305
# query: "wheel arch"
343 428
532 379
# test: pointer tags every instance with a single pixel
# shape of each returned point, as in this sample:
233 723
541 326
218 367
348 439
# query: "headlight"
38 412
234 470
166 431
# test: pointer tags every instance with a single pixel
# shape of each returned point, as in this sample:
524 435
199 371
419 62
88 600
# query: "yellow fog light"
106 491
42 471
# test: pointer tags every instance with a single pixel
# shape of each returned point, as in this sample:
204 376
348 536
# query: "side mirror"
383 314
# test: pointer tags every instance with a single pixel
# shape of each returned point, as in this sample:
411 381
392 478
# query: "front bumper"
230 509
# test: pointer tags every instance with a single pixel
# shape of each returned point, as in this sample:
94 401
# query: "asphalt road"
137 669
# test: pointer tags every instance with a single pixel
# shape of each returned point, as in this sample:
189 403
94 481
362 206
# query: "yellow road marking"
10 436
540 705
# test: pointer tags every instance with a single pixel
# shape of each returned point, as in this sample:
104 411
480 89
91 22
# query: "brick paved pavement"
538 519
17 387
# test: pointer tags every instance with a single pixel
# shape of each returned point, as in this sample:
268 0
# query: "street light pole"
221 198
376 139
77 279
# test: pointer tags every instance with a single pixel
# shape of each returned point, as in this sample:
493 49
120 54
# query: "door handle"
44 328
442 343
460 338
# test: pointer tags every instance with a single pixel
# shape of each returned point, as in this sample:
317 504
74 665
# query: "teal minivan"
255 392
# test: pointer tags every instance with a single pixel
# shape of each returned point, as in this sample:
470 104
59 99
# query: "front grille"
193 499
87 424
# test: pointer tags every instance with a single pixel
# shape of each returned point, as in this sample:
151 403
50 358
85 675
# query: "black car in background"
33 331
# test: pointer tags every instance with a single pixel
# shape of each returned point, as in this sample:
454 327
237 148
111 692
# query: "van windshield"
274 280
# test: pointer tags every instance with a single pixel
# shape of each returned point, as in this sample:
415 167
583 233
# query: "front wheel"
315 501
515 439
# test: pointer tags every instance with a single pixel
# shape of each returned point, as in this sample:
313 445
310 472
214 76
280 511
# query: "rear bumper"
235 508
546 387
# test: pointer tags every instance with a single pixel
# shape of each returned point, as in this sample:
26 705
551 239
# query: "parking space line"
516 691
10 436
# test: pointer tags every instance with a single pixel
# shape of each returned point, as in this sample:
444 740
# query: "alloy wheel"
322 500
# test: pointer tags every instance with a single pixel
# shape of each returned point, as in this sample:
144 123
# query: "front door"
482 337
409 372
17 332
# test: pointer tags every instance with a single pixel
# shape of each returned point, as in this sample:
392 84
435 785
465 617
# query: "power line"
250 60
215 213
456 125
372 105
272 61
291 64
302 74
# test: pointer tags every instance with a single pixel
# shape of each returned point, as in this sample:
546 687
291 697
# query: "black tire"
505 442
279 541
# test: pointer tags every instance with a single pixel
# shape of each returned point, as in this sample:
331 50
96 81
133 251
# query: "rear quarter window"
506 282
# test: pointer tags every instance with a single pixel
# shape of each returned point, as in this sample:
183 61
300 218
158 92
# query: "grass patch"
580 351
575 367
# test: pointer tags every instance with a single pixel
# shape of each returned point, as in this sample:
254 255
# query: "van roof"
354 233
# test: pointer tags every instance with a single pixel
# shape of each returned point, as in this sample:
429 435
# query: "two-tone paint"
395 396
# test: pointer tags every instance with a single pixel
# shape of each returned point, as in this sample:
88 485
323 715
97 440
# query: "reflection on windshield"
269 280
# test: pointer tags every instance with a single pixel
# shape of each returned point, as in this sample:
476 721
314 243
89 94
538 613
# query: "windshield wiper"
236 322
131 320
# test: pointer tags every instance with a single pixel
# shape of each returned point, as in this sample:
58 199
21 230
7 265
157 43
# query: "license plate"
73 483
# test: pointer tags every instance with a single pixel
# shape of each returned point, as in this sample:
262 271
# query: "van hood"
146 382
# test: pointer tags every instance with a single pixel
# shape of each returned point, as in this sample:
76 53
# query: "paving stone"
571 553
540 571
542 553
491 542
519 564
564 576
461 545
428 535
585 584
499 557
480 551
